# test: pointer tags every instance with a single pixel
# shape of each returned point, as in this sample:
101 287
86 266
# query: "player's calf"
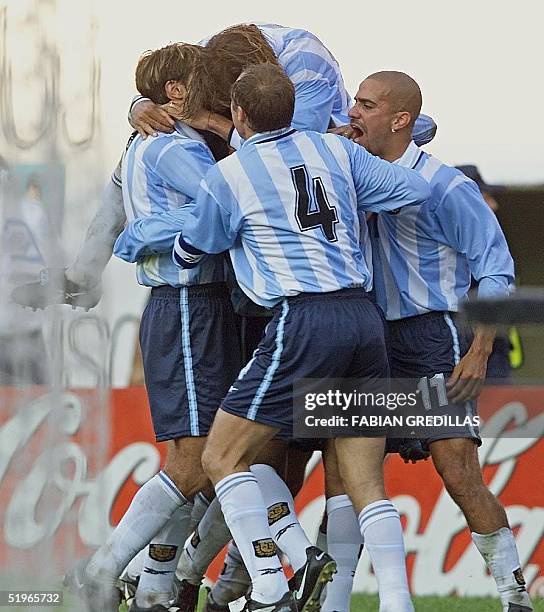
361 469
226 460
456 461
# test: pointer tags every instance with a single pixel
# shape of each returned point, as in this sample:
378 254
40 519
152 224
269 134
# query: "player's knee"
211 464
189 479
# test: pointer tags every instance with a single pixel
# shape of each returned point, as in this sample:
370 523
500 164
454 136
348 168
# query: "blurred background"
66 82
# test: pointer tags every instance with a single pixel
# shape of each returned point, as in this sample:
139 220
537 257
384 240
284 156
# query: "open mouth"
358 130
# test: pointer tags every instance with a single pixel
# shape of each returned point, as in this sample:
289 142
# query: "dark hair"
225 57
267 96
176 62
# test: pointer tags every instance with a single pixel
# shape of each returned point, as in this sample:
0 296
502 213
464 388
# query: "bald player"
424 257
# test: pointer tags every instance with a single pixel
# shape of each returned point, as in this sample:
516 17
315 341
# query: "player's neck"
244 130
396 149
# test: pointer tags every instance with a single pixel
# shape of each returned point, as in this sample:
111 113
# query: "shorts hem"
453 436
284 431
183 434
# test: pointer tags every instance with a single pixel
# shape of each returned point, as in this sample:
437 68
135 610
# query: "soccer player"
190 352
321 102
190 347
153 233
499 369
289 206
424 257
321 98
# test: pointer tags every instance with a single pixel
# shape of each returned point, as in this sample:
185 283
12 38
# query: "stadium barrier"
90 494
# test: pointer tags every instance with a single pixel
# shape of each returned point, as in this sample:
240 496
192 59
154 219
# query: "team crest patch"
277 512
162 552
195 539
518 575
264 548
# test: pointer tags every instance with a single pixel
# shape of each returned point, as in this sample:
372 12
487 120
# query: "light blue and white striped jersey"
160 178
289 205
320 93
424 255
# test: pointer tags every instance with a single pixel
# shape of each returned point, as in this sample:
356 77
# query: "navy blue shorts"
191 354
427 346
325 335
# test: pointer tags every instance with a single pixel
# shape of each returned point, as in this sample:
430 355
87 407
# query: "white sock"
382 533
161 559
148 513
282 519
204 545
234 581
134 569
501 556
344 542
245 513
201 504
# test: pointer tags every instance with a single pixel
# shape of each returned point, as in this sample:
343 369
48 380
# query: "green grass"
366 603
369 603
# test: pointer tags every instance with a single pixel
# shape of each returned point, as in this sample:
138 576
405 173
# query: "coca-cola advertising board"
92 464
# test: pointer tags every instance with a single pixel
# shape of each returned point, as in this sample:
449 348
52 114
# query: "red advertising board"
65 451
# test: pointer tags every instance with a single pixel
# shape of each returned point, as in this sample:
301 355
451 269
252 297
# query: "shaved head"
401 92
386 107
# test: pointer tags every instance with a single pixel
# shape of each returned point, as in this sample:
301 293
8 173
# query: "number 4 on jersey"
313 211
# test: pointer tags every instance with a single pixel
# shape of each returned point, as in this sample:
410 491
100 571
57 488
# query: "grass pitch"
369 603
366 603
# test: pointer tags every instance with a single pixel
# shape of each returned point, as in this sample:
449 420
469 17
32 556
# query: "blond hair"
175 62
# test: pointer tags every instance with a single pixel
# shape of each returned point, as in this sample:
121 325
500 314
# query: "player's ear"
175 90
400 121
238 113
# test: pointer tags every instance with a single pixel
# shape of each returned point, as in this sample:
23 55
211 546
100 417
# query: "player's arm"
472 229
151 235
314 100
380 185
96 249
213 223
181 166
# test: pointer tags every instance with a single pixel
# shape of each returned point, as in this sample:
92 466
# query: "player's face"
371 116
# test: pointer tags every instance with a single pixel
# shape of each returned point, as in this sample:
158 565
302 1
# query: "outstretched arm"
472 229
97 247
150 235
380 185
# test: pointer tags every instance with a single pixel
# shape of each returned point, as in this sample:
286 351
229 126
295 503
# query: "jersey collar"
269 136
186 130
410 157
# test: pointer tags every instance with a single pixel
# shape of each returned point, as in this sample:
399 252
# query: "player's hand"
149 118
467 378
344 130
